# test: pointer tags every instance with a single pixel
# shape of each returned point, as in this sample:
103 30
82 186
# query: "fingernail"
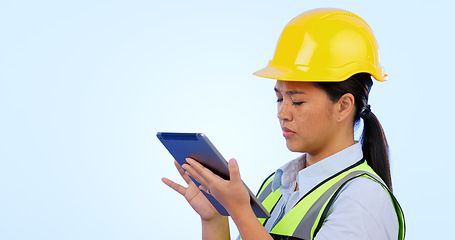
233 161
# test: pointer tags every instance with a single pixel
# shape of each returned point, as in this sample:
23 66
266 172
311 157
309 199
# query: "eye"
279 100
297 103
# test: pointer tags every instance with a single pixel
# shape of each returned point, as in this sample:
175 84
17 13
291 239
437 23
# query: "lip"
287 132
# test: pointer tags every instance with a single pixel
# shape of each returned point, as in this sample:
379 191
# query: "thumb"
234 172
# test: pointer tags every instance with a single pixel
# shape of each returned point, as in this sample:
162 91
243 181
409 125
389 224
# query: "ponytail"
374 143
375 148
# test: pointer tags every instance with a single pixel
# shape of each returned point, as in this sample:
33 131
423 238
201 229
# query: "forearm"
216 229
249 226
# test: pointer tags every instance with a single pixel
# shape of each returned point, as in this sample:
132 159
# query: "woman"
338 188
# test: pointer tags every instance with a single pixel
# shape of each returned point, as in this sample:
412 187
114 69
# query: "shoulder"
362 210
365 193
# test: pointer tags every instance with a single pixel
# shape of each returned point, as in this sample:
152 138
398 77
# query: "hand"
193 196
232 194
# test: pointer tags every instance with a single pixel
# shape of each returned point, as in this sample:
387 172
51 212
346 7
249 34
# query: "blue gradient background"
85 86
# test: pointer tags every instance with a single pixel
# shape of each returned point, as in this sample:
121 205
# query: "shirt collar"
291 173
286 175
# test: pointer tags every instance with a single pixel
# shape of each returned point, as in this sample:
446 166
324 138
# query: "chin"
294 148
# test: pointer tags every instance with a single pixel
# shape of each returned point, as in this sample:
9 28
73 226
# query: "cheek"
314 119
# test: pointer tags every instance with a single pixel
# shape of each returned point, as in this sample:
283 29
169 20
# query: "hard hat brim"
313 74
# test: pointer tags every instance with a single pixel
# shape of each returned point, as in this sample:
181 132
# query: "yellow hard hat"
325 45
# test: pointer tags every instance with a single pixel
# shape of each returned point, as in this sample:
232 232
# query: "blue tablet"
199 147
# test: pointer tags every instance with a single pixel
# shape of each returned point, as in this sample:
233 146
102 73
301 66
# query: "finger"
234 172
202 174
183 173
194 174
177 187
205 189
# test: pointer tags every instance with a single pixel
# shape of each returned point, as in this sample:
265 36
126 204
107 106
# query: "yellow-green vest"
305 219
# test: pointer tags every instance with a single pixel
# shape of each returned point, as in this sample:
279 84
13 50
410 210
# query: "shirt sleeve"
363 210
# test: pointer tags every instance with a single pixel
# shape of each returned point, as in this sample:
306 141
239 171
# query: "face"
307 116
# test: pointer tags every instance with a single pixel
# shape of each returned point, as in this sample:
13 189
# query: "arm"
214 225
216 228
233 195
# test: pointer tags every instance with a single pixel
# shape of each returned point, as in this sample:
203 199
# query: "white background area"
85 86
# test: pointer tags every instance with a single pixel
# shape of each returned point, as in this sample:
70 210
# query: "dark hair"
374 143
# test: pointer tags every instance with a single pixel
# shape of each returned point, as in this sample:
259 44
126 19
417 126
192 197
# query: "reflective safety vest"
305 219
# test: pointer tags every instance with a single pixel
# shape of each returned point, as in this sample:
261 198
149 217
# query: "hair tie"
365 111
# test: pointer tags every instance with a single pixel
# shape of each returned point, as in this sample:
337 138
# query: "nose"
283 111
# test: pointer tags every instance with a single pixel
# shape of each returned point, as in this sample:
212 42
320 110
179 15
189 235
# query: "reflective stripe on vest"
305 219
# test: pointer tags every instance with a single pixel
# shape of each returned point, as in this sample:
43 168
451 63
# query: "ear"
346 107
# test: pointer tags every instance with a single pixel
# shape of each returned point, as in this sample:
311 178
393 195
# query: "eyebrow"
293 92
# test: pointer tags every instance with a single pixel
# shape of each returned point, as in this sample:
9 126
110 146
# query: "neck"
328 150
